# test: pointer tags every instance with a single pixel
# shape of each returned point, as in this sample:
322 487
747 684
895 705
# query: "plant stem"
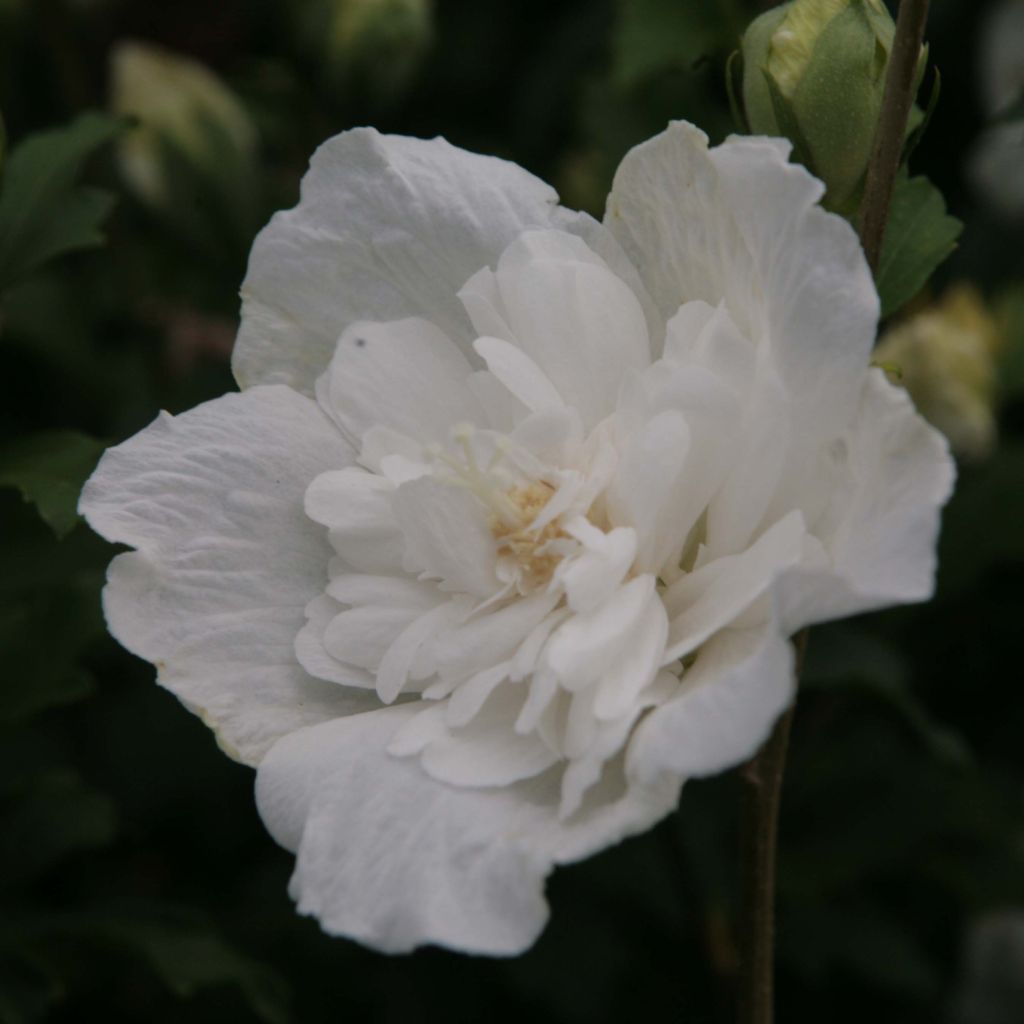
897 100
762 791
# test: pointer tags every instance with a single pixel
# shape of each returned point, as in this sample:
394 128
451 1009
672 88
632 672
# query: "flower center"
532 550
529 553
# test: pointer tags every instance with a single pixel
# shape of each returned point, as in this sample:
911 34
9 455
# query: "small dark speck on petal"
360 343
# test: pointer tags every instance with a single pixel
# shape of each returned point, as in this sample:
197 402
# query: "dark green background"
136 881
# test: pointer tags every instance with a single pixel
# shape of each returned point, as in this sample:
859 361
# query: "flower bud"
945 356
378 42
814 71
192 133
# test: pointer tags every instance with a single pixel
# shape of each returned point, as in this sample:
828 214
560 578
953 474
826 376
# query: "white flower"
506 533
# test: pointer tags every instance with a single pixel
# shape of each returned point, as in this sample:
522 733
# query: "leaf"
919 236
38 674
863 940
28 988
652 36
845 656
43 213
44 820
1010 368
49 469
189 957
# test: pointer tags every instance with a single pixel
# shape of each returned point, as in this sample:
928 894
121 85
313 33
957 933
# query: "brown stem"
897 100
762 791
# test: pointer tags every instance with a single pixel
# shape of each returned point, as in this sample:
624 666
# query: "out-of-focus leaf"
846 656
863 806
42 822
981 528
38 673
868 942
651 36
919 236
1010 314
28 989
49 470
43 212
991 990
188 957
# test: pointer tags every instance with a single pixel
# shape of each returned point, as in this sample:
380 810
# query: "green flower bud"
192 137
375 42
814 71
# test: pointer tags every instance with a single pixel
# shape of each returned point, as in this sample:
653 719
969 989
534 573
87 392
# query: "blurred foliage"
136 882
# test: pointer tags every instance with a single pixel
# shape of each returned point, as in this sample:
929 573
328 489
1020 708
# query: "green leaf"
49 469
866 941
1010 369
652 36
44 820
28 987
846 656
43 212
38 674
188 957
919 236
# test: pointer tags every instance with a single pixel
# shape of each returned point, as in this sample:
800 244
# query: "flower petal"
405 376
881 525
396 859
386 227
649 483
227 560
724 709
738 224
446 536
716 594
356 506
555 299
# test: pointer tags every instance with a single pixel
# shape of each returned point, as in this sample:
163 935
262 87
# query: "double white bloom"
507 531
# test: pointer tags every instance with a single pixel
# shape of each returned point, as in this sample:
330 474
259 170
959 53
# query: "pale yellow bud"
180 106
945 356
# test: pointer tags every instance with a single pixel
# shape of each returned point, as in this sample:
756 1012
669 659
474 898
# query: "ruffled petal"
715 595
226 562
387 227
738 224
392 857
879 529
724 709
555 299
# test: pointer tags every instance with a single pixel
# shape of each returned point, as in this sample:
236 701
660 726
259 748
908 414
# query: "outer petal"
880 529
396 859
387 227
226 559
738 224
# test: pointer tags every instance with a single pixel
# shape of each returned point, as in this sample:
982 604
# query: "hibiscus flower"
507 531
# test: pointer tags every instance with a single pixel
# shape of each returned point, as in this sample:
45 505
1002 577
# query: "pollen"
532 550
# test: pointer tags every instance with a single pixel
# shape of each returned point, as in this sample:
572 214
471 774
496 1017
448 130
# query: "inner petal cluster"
515 544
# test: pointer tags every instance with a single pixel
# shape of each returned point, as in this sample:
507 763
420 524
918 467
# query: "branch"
897 100
762 793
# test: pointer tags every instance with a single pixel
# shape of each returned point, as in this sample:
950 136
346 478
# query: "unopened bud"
379 42
814 71
187 121
945 356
